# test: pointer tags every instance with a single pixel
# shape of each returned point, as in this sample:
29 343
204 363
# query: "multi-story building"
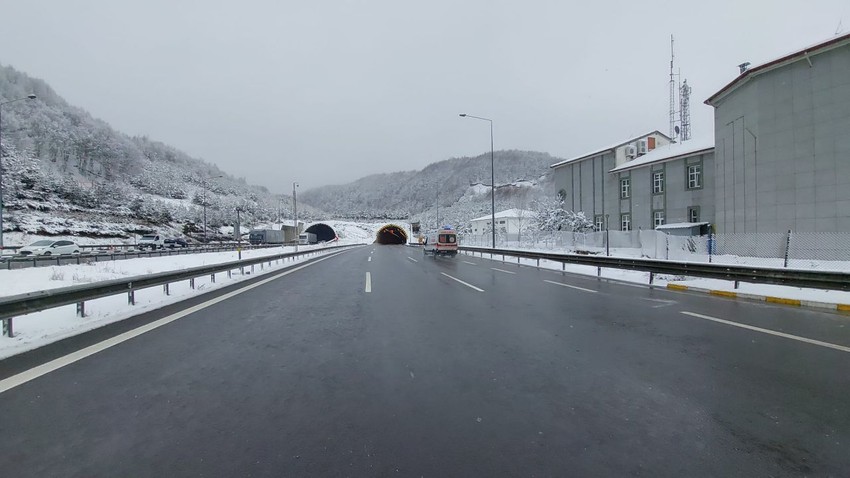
586 184
779 159
782 132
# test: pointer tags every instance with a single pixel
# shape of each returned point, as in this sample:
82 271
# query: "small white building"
510 221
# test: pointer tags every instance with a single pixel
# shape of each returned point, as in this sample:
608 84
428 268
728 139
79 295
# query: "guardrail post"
737 283
7 328
131 297
81 309
192 282
212 278
651 277
538 263
598 272
563 266
787 247
229 274
252 268
166 289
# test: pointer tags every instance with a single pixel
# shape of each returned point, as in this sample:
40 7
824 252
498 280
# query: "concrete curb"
764 298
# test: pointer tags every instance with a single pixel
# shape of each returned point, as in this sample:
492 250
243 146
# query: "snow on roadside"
41 328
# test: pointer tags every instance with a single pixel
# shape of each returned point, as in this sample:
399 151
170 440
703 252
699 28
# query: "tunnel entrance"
391 234
323 232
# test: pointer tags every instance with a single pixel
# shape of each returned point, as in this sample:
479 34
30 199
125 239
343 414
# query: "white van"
442 242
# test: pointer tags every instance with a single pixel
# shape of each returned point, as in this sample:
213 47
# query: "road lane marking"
570 286
368 282
462 282
470 263
55 364
370 259
770 332
412 259
501 270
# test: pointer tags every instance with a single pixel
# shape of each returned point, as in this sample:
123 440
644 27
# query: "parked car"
49 247
150 241
173 242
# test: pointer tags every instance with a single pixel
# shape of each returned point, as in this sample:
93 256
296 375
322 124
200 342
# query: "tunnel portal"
323 232
391 234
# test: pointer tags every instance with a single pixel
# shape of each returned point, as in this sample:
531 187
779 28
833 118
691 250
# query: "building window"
501 222
693 214
695 176
658 182
625 188
658 218
625 222
599 222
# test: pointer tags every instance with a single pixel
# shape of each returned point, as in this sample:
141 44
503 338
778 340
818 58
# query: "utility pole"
295 211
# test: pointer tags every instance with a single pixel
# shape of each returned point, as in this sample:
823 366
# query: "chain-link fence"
799 250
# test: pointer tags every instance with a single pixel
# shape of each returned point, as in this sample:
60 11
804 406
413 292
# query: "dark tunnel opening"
323 232
391 234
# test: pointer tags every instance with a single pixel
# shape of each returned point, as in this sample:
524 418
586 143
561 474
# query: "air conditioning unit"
631 152
641 147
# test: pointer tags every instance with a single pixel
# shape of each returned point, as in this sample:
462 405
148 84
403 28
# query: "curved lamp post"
492 179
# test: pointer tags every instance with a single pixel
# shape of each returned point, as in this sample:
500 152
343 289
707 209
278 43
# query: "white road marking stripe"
462 282
570 286
768 331
412 259
370 259
55 364
368 282
500 270
470 263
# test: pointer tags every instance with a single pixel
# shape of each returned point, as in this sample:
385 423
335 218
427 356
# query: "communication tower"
685 111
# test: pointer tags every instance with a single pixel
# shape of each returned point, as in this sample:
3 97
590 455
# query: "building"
779 159
585 182
782 132
510 221
666 186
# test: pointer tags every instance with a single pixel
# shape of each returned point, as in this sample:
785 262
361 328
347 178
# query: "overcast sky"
325 92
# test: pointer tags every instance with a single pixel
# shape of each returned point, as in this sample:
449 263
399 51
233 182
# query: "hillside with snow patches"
67 174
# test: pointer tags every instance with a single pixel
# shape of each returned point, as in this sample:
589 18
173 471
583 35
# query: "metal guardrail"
22 304
21 262
830 280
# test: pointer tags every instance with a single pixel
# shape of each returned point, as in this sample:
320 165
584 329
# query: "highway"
378 361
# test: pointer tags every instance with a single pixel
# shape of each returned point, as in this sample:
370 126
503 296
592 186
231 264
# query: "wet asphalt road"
511 372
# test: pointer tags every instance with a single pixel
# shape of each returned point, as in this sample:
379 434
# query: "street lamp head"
31 96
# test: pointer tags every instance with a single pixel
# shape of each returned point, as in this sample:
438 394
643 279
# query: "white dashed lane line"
768 331
570 286
462 282
470 263
368 282
501 270
412 259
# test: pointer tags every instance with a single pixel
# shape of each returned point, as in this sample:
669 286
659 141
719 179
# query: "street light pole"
28 97
204 185
492 179
295 211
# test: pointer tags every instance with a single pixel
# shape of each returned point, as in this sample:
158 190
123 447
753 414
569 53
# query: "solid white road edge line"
470 263
500 270
368 282
462 282
570 286
55 364
768 331
412 259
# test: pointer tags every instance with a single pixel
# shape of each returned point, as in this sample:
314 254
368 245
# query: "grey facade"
782 136
678 200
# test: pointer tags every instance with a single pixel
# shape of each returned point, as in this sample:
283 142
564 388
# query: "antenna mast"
672 133
685 110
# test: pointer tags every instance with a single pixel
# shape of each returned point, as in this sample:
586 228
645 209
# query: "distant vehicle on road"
151 241
173 242
266 236
49 247
307 238
442 242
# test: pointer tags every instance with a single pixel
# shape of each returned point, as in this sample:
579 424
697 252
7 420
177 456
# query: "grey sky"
324 92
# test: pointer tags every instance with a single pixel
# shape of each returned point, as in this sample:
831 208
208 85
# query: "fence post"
787 247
